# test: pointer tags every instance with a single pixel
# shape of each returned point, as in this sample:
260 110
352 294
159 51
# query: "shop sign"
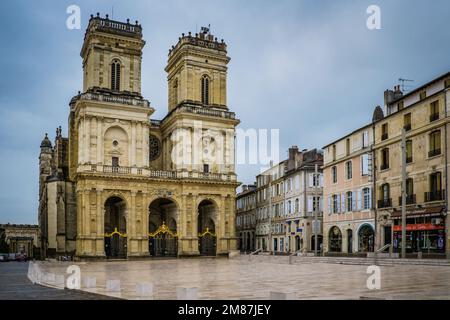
419 226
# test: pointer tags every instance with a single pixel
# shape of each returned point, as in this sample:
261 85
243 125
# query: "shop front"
425 231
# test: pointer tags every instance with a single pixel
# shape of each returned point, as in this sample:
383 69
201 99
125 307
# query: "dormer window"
115 75
205 89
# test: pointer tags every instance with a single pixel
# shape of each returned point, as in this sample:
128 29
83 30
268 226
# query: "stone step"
348 260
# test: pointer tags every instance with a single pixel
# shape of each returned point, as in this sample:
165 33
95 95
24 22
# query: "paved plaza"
15 285
242 278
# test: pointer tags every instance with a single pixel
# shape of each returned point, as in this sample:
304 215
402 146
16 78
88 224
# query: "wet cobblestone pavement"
221 278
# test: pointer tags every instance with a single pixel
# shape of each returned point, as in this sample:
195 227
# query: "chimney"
392 95
292 152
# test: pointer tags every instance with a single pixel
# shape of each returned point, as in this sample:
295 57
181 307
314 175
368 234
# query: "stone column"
133 144
80 140
100 225
144 227
87 122
99 140
79 241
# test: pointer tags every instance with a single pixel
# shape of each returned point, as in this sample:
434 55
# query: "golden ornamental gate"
163 242
207 243
116 244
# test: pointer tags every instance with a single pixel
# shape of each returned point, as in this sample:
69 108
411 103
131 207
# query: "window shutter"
365 139
320 180
359 198
310 204
365 164
320 204
310 176
355 203
329 205
370 198
342 202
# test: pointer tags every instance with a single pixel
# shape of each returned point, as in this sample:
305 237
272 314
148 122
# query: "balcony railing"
434 117
116 169
158 174
433 153
384 136
206 111
410 199
385 203
163 174
120 99
437 195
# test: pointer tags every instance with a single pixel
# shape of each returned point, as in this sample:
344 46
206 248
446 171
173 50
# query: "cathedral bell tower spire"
112 55
197 71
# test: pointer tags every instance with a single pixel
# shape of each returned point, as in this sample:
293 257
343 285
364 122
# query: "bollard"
90 282
187 293
144 289
282 295
113 285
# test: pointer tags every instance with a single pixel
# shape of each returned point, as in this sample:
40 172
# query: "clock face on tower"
155 147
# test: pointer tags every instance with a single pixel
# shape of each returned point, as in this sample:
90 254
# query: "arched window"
335 240
115 75
205 89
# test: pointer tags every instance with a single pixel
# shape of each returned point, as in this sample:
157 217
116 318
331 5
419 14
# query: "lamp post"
316 209
403 145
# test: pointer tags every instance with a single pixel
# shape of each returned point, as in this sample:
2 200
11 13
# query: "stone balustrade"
156 174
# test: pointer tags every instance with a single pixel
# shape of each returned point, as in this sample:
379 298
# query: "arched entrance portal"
297 243
366 237
349 241
335 240
115 228
162 227
313 243
207 213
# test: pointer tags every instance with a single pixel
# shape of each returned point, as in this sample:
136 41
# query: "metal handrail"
255 252
384 248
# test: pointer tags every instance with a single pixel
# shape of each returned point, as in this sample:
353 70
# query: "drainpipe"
374 187
447 225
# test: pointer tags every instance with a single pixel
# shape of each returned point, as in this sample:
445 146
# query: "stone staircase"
344 260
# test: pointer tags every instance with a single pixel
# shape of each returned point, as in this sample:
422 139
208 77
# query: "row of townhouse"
246 218
285 199
363 177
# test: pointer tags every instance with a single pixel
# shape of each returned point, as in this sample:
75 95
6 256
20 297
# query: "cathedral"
124 185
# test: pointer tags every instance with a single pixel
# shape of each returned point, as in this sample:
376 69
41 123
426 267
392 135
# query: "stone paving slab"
240 278
15 285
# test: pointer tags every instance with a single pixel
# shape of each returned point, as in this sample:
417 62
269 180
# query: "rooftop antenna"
403 85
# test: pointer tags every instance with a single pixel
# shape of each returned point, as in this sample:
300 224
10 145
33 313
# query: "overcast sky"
309 68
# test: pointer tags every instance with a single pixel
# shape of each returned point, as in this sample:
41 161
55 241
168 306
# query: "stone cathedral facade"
123 185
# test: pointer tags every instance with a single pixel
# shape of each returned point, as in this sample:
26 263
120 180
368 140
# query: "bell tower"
112 55
197 71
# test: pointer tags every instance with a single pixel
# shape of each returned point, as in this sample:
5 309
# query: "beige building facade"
349 215
148 187
246 218
423 114
19 238
286 196
363 170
